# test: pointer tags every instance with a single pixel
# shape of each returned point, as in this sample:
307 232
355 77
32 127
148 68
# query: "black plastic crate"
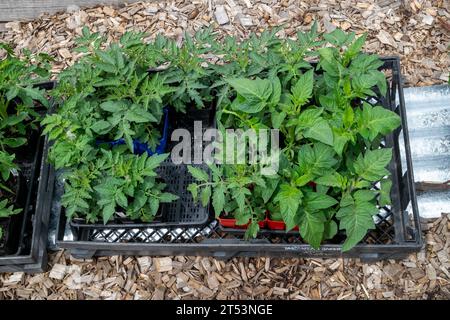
397 231
30 254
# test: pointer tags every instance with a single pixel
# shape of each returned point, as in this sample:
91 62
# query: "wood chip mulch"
425 275
418 31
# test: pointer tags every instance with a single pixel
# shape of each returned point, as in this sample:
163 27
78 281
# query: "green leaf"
255 92
372 166
340 141
218 198
320 131
356 220
167 197
330 230
108 211
139 116
36 94
101 127
270 188
252 230
317 160
315 201
193 188
14 142
113 106
155 160
198 174
385 192
377 120
289 199
277 119
331 180
239 196
276 91
309 117
303 88
206 195
356 46
363 195
154 205
121 199
312 227
346 200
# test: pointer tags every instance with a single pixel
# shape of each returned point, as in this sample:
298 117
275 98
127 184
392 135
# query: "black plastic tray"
182 212
31 254
397 232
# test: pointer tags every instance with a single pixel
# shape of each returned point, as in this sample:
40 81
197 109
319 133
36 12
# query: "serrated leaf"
330 180
198 174
252 230
121 199
108 211
101 127
154 205
385 192
315 201
320 131
270 188
372 165
218 198
363 195
205 195
377 120
302 90
113 106
239 196
289 199
255 92
356 220
155 160
346 200
311 227
139 115
193 189
167 197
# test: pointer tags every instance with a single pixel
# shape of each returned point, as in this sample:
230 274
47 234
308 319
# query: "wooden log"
11 10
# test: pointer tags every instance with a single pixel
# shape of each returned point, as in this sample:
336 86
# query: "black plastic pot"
396 235
11 226
30 254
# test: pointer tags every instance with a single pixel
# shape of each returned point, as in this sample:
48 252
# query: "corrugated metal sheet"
428 114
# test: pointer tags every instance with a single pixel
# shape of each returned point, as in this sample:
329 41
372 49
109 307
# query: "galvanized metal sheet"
428 115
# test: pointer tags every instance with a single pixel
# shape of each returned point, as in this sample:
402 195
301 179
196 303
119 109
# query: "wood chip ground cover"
417 31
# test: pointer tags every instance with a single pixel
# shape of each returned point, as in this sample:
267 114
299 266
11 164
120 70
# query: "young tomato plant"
18 114
106 97
332 174
236 190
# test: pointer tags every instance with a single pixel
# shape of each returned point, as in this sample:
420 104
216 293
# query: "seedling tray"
182 212
31 254
396 235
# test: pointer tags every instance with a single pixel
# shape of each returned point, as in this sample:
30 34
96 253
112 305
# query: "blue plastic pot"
141 147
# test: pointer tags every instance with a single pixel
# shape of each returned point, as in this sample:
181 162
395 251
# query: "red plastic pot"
231 223
277 225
